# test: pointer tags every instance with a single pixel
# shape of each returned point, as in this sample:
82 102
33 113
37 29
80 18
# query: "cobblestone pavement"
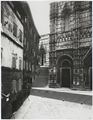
45 108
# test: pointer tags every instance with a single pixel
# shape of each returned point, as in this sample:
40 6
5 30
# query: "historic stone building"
31 48
19 54
71 44
12 35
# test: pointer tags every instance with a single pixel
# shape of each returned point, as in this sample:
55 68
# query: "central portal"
64 71
65 77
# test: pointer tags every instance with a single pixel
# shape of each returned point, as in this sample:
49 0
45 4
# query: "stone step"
54 85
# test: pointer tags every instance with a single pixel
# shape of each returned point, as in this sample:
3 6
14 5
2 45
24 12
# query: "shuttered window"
14 29
20 35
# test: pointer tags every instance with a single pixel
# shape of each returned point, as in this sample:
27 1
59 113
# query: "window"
14 86
33 68
13 62
10 27
20 35
2 13
20 64
27 45
30 66
1 54
14 29
20 84
34 37
24 41
24 64
67 23
5 22
14 58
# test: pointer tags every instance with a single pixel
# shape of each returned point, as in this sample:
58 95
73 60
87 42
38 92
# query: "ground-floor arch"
64 71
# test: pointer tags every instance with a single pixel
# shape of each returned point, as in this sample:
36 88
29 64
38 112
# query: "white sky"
40 13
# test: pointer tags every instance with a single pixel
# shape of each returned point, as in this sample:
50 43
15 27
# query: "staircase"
41 80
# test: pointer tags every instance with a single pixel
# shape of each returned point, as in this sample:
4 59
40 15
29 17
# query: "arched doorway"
64 71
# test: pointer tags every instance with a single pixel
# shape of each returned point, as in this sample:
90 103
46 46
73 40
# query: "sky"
40 12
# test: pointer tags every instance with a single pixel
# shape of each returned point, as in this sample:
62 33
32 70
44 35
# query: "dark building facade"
19 56
12 35
31 48
71 44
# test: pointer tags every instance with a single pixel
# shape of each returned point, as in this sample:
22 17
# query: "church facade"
71 45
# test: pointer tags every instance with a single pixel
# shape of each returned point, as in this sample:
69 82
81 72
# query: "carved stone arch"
64 70
62 56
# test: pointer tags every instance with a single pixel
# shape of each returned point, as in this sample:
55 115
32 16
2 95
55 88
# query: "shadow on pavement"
64 96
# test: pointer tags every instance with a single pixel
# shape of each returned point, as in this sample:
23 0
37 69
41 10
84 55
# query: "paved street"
46 108
65 94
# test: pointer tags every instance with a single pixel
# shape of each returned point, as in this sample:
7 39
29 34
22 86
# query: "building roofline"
28 10
24 6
